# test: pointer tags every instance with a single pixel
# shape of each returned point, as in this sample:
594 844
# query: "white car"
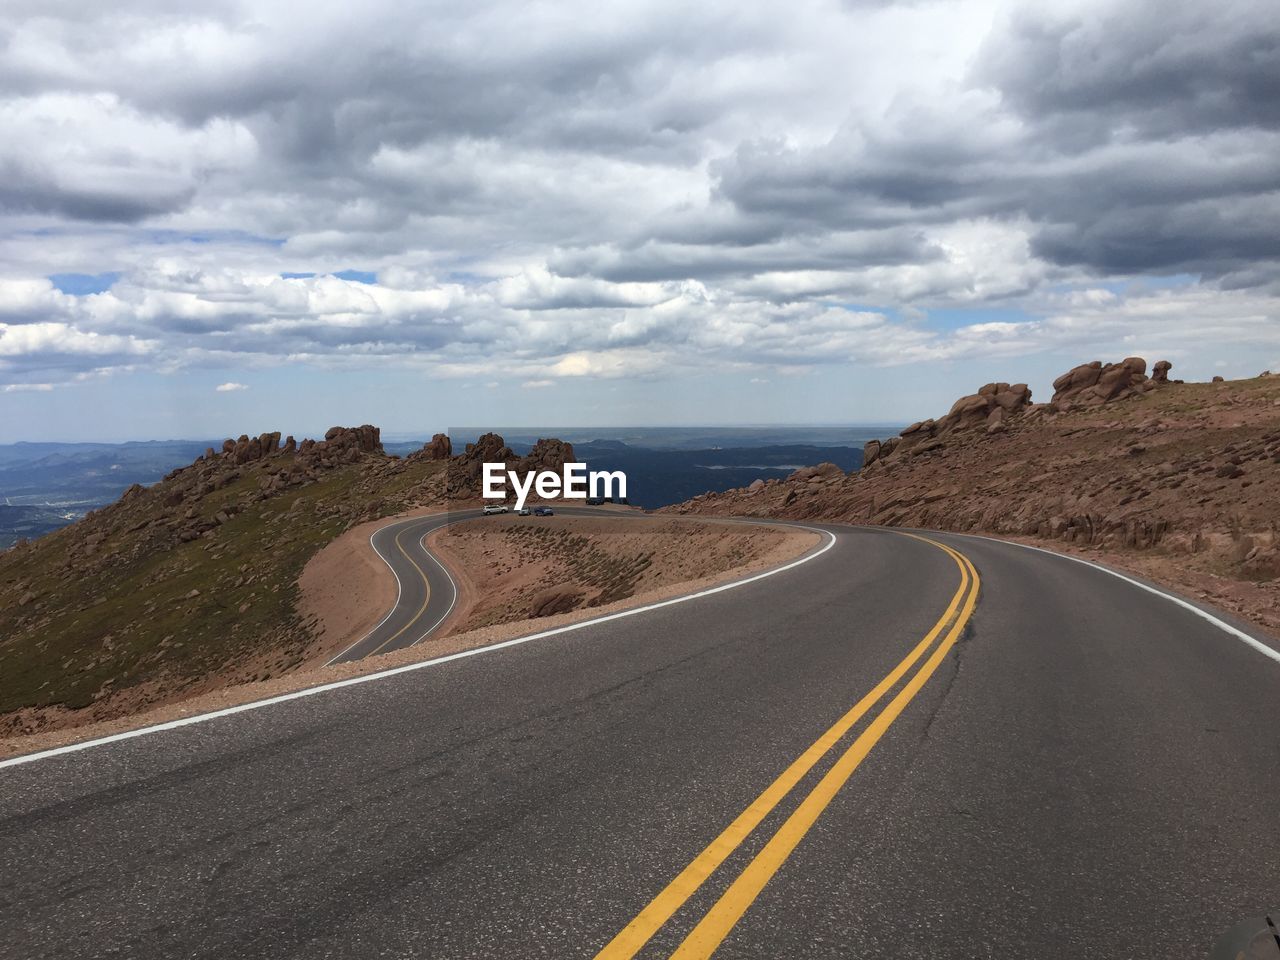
524 512
495 508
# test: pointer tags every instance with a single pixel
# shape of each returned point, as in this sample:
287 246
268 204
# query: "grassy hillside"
189 583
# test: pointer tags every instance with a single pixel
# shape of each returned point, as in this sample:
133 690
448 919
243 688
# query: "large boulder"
972 407
466 470
991 405
341 445
547 454
365 439
991 408
246 449
488 448
823 471
1119 379
1015 399
1076 379
440 447
1092 384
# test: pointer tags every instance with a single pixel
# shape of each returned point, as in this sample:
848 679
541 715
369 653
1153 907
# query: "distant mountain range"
657 478
666 465
44 486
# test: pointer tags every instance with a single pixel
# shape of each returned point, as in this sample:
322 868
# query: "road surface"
881 752
425 594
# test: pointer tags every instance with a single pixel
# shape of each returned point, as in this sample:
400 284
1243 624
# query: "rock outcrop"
821 472
549 454
341 445
466 471
1184 474
988 411
240 472
440 447
248 449
996 406
1091 384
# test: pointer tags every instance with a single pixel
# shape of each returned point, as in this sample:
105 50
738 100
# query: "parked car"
495 508
543 512
594 501
523 512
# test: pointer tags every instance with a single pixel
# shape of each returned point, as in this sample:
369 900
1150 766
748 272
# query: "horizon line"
426 436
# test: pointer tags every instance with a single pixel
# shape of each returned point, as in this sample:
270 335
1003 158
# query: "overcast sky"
239 217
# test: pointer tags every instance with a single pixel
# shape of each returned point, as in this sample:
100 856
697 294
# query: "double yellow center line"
426 597
711 930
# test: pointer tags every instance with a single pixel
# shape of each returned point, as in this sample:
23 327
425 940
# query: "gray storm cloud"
611 190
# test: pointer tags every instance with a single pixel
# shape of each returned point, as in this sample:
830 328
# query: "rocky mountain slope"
192 583
1180 481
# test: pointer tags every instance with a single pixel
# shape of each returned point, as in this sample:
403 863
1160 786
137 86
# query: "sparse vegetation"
533 568
1178 482
183 586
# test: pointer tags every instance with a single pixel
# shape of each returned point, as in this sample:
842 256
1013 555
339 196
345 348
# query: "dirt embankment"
516 569
684 556
1179 482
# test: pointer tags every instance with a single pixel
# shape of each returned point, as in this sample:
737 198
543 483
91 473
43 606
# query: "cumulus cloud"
230 387
559 195
92 157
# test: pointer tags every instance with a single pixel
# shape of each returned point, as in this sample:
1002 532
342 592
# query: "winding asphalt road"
425 594
893 749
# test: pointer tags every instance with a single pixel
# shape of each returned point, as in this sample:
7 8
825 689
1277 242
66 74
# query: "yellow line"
707 936
639 931
425 600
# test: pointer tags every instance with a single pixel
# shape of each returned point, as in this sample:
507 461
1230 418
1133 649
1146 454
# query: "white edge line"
1262 648
408 668
444 616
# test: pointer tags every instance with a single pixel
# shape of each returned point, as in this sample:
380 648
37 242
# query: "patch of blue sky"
357 276
946 318
886 311
1172 281
953 318
83 284
1127 285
